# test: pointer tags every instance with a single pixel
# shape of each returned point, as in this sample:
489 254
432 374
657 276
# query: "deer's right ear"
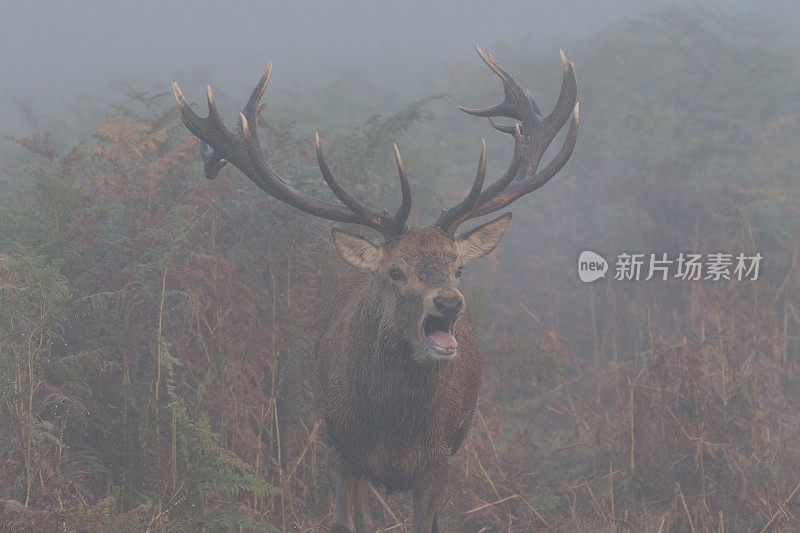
356 250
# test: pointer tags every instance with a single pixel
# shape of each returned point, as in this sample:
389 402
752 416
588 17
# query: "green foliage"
154 327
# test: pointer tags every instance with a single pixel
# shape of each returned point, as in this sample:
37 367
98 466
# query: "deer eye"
397 275
458 271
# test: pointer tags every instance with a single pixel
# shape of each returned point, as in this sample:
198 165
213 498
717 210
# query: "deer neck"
387 341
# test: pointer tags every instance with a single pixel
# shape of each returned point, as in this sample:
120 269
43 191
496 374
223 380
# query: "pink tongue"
443 340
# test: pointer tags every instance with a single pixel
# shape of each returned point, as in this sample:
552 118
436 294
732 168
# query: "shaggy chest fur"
388 416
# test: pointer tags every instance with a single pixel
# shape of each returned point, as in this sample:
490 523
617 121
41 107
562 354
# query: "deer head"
416 279
415 270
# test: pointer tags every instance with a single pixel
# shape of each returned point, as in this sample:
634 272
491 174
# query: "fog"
157 329
62 56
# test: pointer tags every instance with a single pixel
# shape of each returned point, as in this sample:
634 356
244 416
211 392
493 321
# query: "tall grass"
155 327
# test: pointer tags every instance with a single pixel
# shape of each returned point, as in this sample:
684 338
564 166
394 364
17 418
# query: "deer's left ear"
479 241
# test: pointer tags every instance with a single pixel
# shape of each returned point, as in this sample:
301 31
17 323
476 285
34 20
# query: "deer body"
399 366
396 356
389 416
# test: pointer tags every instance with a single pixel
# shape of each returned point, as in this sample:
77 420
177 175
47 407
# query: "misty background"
61 60
155 326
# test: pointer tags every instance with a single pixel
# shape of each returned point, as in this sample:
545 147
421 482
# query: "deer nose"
448 306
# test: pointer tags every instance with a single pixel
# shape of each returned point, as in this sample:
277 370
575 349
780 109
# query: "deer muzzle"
437 335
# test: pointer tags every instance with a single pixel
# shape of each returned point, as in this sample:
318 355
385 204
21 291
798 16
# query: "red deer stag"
397 357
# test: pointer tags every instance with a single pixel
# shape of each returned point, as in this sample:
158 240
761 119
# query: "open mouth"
437 335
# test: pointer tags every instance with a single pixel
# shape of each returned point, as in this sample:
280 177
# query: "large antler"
242 148
532 138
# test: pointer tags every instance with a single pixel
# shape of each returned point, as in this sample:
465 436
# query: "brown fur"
398 407
395 415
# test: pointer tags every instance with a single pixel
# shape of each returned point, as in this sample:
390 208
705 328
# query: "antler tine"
510 174
503 109
354 205
528 185
212 161
398 221
567 98
201 128
219 146
254 108
531 140
512 93
503 128
405 206
454 216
